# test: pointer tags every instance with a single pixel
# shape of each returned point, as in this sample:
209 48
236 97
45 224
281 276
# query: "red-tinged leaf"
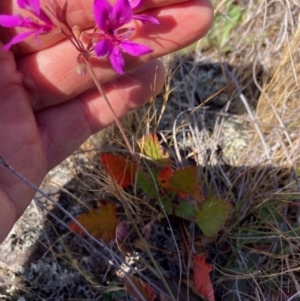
151 147
201 278
120 169
186 181
101 223
212 216
183 181
164 176
145 289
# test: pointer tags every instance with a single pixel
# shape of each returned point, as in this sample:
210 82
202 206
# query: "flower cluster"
110 37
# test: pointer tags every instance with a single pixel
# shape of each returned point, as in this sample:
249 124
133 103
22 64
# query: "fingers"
77 119
50 74
61 130
79 12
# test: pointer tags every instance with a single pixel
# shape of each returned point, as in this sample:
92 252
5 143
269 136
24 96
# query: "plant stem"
101 91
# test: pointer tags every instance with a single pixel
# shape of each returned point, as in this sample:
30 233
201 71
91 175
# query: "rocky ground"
42 260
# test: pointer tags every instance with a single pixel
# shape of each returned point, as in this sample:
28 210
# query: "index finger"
79 13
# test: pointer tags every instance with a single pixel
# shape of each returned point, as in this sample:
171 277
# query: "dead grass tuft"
230 107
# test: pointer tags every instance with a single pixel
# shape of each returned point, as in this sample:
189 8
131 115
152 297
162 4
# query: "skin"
47 110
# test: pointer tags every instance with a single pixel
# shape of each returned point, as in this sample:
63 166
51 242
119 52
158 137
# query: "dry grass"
230 105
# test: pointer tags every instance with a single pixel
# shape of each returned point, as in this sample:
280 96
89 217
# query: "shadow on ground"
43 260
51 263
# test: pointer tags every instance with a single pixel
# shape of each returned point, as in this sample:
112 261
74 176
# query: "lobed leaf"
213 215
201 278
167 203
101 223
183 181
145 182
151 148
120 169
185 210
164 176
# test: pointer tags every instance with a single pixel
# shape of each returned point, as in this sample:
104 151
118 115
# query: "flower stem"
101 91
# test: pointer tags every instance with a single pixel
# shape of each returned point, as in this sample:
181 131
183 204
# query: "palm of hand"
47 110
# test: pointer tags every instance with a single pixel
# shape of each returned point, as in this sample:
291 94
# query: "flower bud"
77 31
80 68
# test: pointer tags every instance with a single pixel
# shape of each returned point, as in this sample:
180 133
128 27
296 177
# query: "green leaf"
185 210
151 148
167 203
213 215
234 16
223 34
146 183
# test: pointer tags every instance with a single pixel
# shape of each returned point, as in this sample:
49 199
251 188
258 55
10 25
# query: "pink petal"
102 13
134 49
34 7
117 60
31 5
121 14
15 21
144 19
17 39
11 21
134 3
103 47
37 33
124 33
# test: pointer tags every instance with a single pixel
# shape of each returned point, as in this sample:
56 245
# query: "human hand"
47 110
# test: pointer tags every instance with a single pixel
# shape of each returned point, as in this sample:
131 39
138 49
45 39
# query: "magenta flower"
135 4
112 40
37 27
143 18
